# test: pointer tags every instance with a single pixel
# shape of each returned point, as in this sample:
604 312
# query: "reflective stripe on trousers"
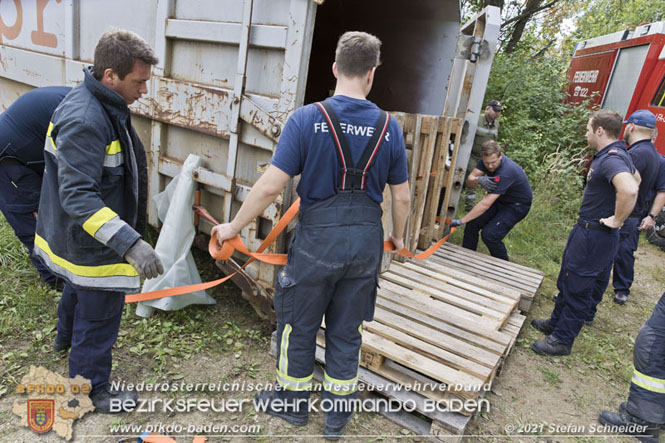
334 259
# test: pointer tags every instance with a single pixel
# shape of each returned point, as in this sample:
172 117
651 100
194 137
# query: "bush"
538 130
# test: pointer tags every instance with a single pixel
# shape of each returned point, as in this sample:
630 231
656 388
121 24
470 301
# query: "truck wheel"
656 235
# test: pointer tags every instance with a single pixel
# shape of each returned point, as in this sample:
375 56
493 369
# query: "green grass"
161 343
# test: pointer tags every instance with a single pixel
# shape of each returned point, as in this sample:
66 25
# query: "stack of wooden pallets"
437 326
431 145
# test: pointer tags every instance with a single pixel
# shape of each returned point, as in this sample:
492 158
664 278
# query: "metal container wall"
232 71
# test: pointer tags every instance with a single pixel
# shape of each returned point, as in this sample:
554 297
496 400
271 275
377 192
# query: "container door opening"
419 42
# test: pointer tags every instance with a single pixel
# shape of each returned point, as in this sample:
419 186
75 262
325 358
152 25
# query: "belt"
593 225
10 161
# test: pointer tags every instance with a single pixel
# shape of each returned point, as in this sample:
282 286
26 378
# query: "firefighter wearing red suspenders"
345 150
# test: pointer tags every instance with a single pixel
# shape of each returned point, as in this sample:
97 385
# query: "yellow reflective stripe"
293 386
113 148
360 329
283 350
98 219
649 383
48 136
295 379
340 387
119 269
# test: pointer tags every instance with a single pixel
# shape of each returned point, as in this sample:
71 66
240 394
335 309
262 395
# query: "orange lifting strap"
225 251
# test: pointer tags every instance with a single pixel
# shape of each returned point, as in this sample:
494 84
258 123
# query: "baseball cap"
643 117
496 105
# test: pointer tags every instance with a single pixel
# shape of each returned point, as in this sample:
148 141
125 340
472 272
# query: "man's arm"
472 179
656 207
80 149
626 188
401 202
480 208
264 192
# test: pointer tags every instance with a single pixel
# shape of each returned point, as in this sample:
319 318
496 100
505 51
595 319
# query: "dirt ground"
558 397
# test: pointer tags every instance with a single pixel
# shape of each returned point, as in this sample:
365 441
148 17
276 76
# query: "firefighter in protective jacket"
92 207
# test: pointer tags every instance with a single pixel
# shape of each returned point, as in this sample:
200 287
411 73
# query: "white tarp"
174 208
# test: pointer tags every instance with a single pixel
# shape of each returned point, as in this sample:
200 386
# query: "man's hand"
487 183
144 259
223 232
456 223
647 223
610 222
398 242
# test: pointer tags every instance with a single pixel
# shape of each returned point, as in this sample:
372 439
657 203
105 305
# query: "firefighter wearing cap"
646 159
487 129
345 150
22 133
645 406
609 198
507 201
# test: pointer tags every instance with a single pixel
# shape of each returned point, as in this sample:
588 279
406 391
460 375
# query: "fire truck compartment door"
627 70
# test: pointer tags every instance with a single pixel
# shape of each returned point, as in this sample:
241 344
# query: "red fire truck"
624 71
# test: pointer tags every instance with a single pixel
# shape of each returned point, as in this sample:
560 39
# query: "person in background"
22 135
487 129
507 201
608 200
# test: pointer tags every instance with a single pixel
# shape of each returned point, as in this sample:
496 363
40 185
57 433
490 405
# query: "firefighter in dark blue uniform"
22 133
609 198
646 159
345 149
507 201
646 400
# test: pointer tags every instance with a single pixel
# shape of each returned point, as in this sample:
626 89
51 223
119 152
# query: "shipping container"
232 71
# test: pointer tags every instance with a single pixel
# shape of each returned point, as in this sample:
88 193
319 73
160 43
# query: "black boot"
620 299
542 325
61 344
108 401
335 432
628 424
550 346
291 408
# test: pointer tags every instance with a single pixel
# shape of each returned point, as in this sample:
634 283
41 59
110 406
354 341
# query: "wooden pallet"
432 143
389 377
504 276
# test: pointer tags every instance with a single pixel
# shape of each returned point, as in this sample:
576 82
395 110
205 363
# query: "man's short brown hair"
490 147
357 52
119 49
610 121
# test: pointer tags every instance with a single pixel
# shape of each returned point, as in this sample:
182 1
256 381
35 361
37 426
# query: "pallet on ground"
422 420
504 274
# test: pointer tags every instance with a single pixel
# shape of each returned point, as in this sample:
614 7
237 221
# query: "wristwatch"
653 216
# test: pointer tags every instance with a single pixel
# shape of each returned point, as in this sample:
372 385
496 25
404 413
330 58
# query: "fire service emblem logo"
41 415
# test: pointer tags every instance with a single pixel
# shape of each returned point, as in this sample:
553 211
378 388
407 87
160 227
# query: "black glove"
144 259
456 223
487 183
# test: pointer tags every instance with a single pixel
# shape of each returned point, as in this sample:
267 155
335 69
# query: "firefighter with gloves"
93 205
345 150
507 201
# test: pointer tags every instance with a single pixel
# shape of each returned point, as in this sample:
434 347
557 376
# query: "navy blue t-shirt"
600 195
647 161
512 183
660 180
23 125
306 148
